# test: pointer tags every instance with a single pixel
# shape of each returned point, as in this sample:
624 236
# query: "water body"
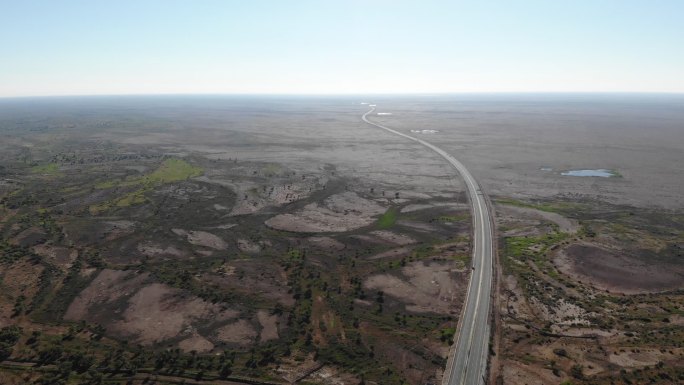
601 172
424 131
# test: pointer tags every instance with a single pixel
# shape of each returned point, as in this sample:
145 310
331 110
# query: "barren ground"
283 238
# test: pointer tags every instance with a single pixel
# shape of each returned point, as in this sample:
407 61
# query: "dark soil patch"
622 273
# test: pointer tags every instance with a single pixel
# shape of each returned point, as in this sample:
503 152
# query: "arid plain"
282 239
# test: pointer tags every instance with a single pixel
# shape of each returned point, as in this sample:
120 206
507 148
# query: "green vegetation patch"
447 335
49 169
171 170
133 198
555 207
11 253
271 169
388 219
174 170
463 259
532 247
452 218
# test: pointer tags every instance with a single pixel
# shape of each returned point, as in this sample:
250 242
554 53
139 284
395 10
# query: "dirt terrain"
617 272
425 287
131 307
518 145
282 239
339 213
579 307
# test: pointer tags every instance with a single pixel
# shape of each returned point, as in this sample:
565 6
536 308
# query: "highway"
467 362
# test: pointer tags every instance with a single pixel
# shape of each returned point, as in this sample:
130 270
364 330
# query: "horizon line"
349 94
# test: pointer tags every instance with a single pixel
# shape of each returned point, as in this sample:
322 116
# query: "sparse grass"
452 218
464 259
388 219
324 320
171 170
555 207
447 335
615 174
133 198
107 184
271 169
644 320
47 169
72 189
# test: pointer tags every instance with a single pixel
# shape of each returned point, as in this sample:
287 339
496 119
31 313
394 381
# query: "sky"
100 47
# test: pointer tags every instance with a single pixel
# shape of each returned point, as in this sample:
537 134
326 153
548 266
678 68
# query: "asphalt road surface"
467 362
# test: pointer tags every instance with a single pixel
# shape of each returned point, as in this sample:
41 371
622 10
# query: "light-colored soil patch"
515 299
392 237
326 243
338 213
522 228
129 306
562 313
60 256
607 270
197 343
677 320
332 376
424 206
248 246
369 239
116 229
425 287
583 332
246 276
253 197
19 278
158 312
292 369
202 238
362 302
226 269
629 359
398 252
515 373
152 249
566 225
226 226
419 226
269 326
108 286
240 332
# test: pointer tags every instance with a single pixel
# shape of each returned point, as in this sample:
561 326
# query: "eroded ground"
284 240
129 251
589 293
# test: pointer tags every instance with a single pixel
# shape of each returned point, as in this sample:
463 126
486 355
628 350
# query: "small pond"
601 172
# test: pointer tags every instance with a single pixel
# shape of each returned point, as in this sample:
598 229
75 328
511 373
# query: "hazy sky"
287 46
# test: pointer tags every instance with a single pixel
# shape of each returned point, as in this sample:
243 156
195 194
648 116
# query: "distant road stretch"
468 362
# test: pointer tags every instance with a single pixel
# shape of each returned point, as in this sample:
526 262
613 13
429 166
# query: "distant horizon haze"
364 98
268 47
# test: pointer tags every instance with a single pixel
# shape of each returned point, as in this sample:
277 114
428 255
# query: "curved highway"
467 362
